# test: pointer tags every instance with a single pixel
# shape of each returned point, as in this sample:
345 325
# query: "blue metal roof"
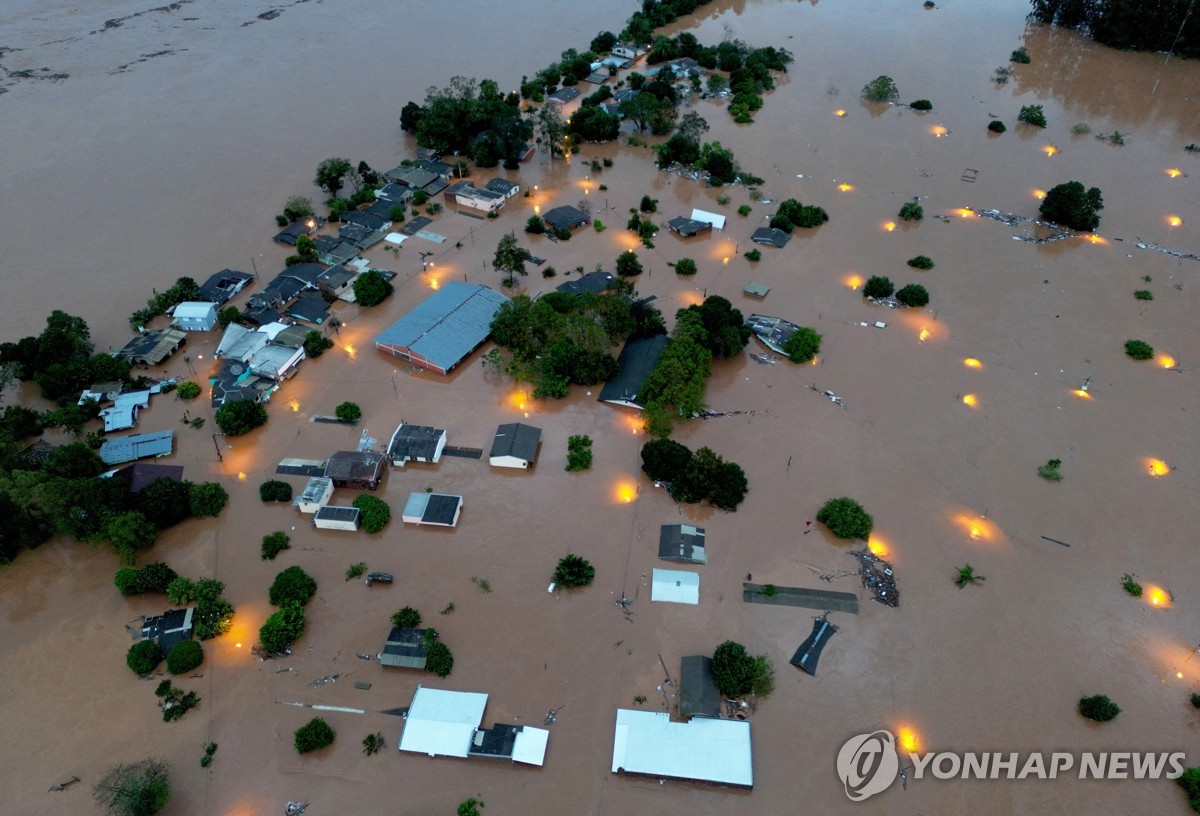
448 325
137 446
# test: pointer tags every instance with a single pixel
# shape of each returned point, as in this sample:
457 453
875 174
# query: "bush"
922 105
155 577
143 657
439 659
188 390
1021 56
579 453
1032 115
274 490
1190 782
598 226
685 266
914 294
1050 470
139 789
126 581
313 736
370 289
737 674
275 543
996 126
240 417
374 512
1132 587
912 211
628 265
1195 699
753 256
877 287
573 571
921 262
316 344
744 210
1139 350
407 618
1072 206
1144 294
535 225
1081 128
373 743
1098 708
282 628
803 345
207 499
648 204
881 89
664 460
185 656
348 412
846 519
293 585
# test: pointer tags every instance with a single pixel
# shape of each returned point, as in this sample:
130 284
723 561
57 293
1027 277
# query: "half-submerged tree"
1072 206
846 518
737 673
135 789
574 571
510 259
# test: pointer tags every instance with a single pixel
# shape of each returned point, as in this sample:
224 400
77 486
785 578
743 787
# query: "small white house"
336 518
193 316
675 586
716 219
627 51
439 509
316 495
515 446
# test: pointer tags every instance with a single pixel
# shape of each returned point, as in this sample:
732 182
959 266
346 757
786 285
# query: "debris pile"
878 577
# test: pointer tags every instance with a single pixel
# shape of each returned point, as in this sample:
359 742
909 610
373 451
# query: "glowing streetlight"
1174 220
1173 172
970 400
971 362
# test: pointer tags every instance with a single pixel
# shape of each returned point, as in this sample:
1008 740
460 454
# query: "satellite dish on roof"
236 368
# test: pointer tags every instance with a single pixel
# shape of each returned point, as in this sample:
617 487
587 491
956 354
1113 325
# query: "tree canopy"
371 289
136 789
470 116
846 518
373 512
698 477
331 175
240 417
282 628
737 674
803 345
1129 25
510 259
574 571
313 736
292 586
1072 206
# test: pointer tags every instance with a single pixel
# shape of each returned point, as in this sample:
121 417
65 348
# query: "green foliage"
1050 470
921 105
1127 25
227 315
911 211
720 327
143 657
374 513
1098 708
846 519
74 461
331 174
282 628
770 590
207 499
579 452
138 789
996 126
878 287
628 265
356 570
126 581
313 736
723 200
274 490
1195 699
483 584
1139 350
881 89
913 294
966 575
1072 206
648 204
370 288
292 586
316 344
685 266
703 476
240 417
792 213
348 412
407 618
1131 586
737 674
439 659
214 615
175 703
510 259
592 124
921 262
184 289
1144 294
753 256
275 543
209 750
188 390
663 460
803 345
1190 780
1021 56
1032 115
153 577
373 743
744 210
470 807
1081 128
573 571
130 532
598 226
185 656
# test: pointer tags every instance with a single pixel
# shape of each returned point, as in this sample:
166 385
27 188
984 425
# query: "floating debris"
764 359
1144 245
332 678
878 577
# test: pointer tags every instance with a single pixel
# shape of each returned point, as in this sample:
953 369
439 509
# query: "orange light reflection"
1157 597
1039 194
1079 392
1174 220
877 545
970 400
889 226
854 281
1165 360
1157 467
845 188
971 362
1173 172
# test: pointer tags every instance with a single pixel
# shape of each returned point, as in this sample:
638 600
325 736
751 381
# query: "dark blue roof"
448 325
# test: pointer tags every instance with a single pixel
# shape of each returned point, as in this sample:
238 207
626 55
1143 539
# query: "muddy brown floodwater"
177 132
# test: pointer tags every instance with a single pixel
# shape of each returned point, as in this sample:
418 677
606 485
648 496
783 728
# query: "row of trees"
61 359
291 590
472 117
184 289
1130 25
702 476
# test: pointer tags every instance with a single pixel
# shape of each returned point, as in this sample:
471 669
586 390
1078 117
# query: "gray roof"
564 95
311 307
433 508
169 629
771 235
809 653
688 227
395 193
518 440
137 446
292 336
682 542
223 285
330 512
337 277
772 331
414 442
594 282
502 186
365 219
404 649
447 326
314 490
699 694
152 347
637 360
566 217
355 466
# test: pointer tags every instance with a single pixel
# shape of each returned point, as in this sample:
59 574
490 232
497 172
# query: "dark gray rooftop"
772 236
700 696
330 512
682 542
404 649
152 347
223 285
594 282
566 217
311 308
355 466
637 360
809 653
414 442
688 227
517 440
441 509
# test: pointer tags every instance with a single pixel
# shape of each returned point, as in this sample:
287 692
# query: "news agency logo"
868 764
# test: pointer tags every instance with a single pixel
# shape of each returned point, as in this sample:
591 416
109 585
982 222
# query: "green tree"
535 225
881 89
996 126
306 249
574 571
1098 708
292 586
510 259
439 659
1190 780
282 628
181 591
331 174
550 129
188 390
685 266
370 288
470 807
207 499
665 460
74 461
1072 206
126 581
316 344
155 577
407 618
185 656
164 502
227 315
240 417
1032 115
911 211
313 736
966 575
733 669
878 287
297 207
373 512
628 265
143 657
275 543
846 518
923 262
137 789
803 345
348 412
274 490
913 294
130 532
1139 350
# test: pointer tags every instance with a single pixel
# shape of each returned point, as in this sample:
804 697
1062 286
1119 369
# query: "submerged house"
447 723
515 446
439 509
464 194
152 347
596 283
194 316
637 360
771 236
221 287
404 649
698 692
169 629
440 332
362 470
682 542
316 494
647 743
416 443
809 653
121 449
330 517
774 332
566 217
675 586
687 227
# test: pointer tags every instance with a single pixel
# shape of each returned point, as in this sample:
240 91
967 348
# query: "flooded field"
177 134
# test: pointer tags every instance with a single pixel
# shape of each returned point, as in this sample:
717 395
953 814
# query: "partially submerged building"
809 653
688 227
331 517
404 649
316 494
169 629
774 332
194 316
141 475
416 443
698 692
515 446
683 543
447 723
771 236
566 217
637 360
362 470
137 446
596 283
152 347
647 743
439 509
440 332
221 287
675 586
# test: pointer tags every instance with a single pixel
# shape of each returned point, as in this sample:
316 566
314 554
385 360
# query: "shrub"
207 499
407 618
914 294
753 256
275 543
597 226
316 344
348 412
1032 115
744 210
138 789
664 460
274 490
996 126
881 89
1144 294
240 417
1081 128
922 105
685 266
155 577
723 200
1021 56
370 288
878 286
282 628
1139 350
313 736
921 262
374 512
911 211
356 570
579 453
188 390
846 518
1072 206
1195 698
143 657
648 204
419 198
803 345
574 571
1190 782
737 674
293 585
1131 586
1050 470
373 743
549 272
1098 708
126 581
438 659
185 656
628 265
535 225
770 590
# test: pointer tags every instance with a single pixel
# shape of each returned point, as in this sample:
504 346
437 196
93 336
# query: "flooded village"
421 505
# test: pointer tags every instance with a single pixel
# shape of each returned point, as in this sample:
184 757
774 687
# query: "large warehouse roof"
442 723
709 750
445 328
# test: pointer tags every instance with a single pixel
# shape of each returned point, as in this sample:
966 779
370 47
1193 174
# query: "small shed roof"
330 512
593 282
169 629
699 694
414 442
708 750
758 290
809 653
442 723
682 542
517 440
566 217
152 347
529 747
716 219
447 326
316 490
404 649
502 186
137 446
675 586
432 508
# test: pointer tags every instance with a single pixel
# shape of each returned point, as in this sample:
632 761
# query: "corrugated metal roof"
637 360
330 512
442 723
448 325
675 586
710 750
137 446
518 440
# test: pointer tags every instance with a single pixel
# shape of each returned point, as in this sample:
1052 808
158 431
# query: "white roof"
396 238
710 750
193 308
675 586
718 221
530 746
442 723
272 330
